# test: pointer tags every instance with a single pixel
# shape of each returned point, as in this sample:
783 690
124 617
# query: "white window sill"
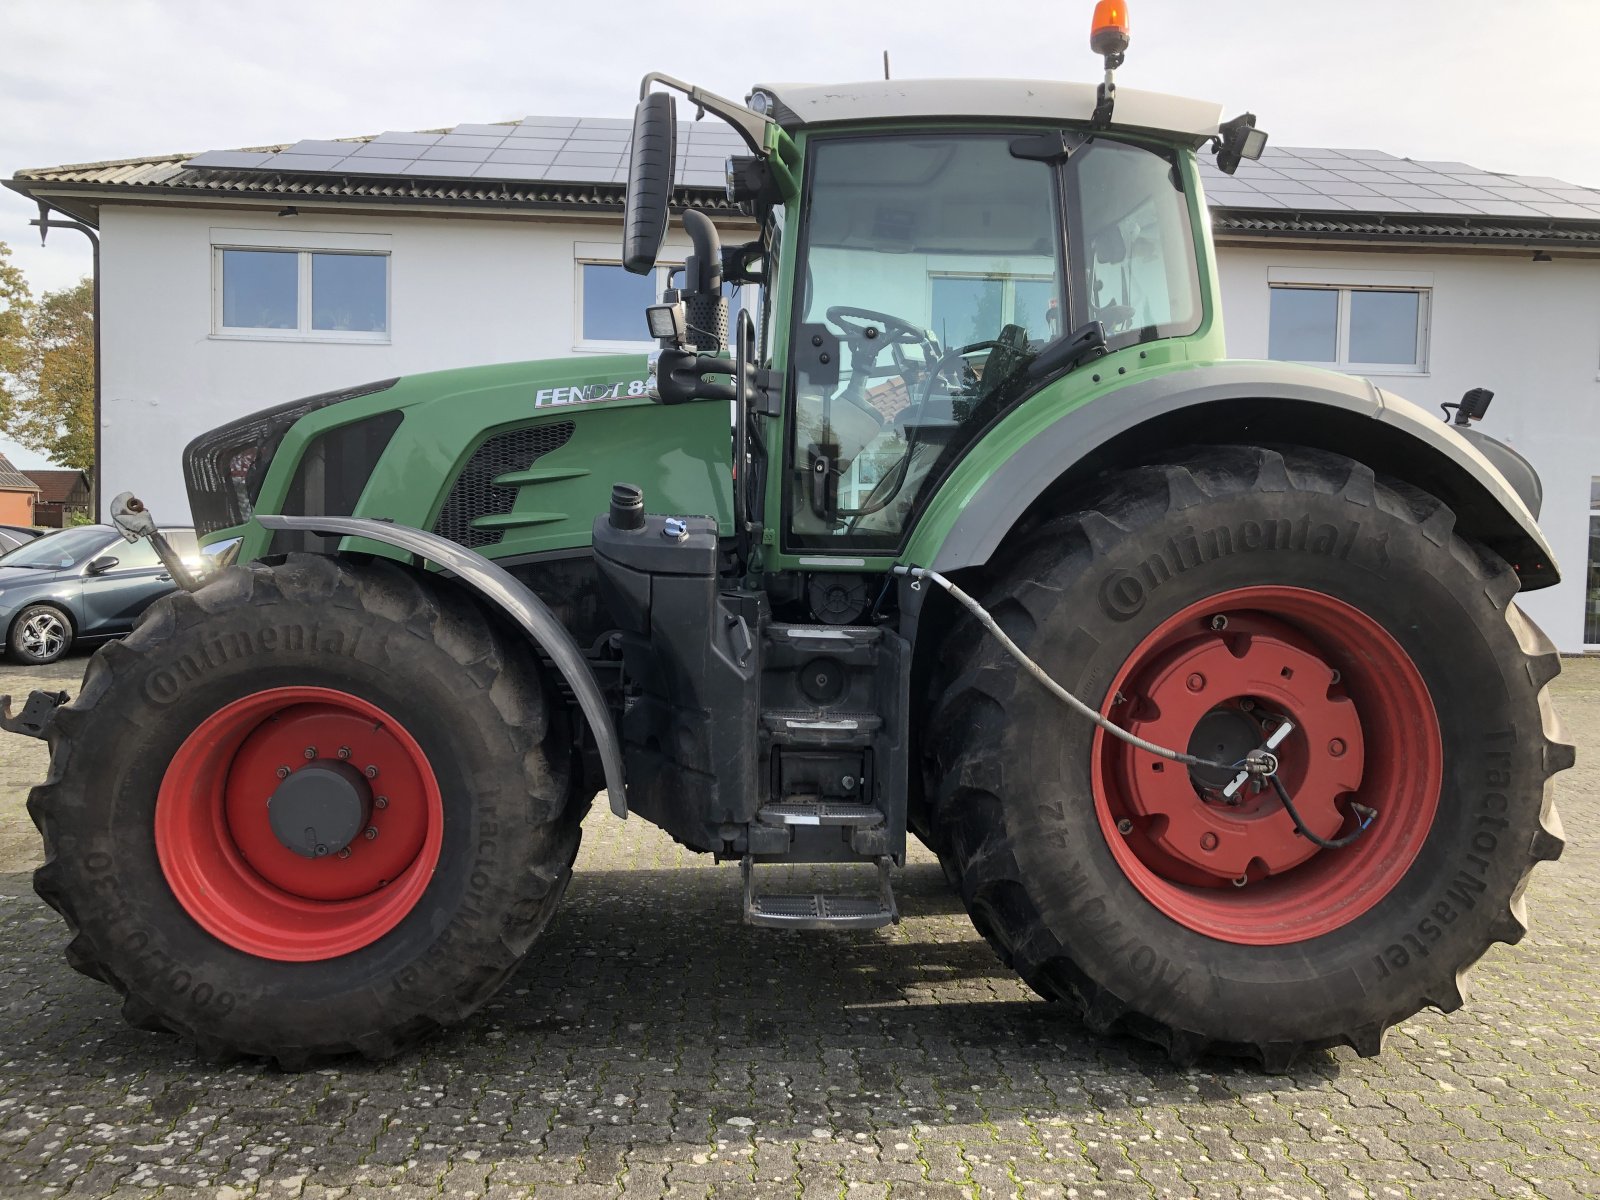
614 347
351 339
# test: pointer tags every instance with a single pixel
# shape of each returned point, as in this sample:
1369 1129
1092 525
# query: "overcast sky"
1502 85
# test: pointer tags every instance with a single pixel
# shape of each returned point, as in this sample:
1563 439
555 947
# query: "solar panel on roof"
595 150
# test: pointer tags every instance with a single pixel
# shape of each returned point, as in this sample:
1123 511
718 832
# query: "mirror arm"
751 127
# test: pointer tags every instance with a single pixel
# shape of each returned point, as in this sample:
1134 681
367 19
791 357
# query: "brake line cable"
1261 764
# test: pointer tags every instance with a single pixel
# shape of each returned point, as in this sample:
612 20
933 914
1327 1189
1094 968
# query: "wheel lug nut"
311 751
1336 747
370 834
283 772
321 850
345 853
1241 881
1196 682
1219 622
380 802
1247 705
372 772
344 751
1208 841
1124 827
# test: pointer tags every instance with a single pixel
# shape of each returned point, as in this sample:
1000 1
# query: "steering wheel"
859 325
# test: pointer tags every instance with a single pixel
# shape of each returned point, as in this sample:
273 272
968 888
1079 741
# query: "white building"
1328 256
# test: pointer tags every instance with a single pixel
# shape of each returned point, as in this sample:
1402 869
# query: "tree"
15 303
51 404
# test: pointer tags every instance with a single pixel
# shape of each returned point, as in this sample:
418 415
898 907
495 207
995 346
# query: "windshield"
67 548
935 260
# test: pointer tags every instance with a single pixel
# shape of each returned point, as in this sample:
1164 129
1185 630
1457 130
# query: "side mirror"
651 166
101 565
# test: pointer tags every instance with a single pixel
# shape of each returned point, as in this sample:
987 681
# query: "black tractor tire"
1010 770
471 698
42 623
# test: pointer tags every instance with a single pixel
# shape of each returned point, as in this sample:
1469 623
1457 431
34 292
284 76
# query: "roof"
57 486
578 165
13 480
1023 99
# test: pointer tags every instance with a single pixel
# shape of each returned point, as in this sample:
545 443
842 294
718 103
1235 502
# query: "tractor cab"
932 254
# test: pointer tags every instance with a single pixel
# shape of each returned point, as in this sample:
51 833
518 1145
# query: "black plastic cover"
651 166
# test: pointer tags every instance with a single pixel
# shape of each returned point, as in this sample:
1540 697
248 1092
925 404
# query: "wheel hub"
1196 695
1219 678
320 809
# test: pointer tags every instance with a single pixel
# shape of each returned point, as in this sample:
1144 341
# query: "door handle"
165 577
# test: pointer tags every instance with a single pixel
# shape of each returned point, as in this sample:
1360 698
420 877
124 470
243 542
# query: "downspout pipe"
44 224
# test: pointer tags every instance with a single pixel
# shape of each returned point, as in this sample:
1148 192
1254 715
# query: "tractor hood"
509 459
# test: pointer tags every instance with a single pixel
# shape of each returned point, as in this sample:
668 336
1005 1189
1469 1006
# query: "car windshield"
67 548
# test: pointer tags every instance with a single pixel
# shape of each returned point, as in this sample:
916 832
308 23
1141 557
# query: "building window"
319 295
969 308
1591 608
1376 331
611 302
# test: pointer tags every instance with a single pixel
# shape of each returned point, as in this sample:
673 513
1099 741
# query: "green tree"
15 304
51 408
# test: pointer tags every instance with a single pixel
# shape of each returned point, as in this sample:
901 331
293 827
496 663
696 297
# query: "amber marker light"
1108 34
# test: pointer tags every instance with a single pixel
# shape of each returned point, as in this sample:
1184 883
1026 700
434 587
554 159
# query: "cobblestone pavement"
653 1045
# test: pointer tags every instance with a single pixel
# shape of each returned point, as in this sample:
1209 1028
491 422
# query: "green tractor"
1202 678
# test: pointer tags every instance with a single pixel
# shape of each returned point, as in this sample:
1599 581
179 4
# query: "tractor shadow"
646 1018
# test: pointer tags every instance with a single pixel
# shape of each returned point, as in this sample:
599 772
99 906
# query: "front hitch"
36 714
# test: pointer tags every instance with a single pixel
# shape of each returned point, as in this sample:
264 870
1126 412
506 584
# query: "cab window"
935 261
1132 244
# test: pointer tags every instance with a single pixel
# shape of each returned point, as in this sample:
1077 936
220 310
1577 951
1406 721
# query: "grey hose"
1054 688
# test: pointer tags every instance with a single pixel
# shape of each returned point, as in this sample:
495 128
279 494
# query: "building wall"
1529 332
462 291
469 291
16 508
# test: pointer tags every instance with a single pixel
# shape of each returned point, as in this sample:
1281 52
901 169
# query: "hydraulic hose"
1260 764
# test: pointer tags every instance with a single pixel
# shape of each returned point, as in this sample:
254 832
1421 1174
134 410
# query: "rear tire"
152 816
1083 866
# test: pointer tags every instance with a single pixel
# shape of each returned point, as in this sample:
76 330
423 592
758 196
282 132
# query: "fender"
1263 402
500 588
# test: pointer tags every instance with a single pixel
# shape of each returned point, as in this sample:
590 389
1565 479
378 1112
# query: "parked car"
12 536
80 585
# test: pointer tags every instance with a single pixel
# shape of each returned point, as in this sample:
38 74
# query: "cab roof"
1008 99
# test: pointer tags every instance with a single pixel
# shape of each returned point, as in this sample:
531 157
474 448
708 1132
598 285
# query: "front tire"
40 634
189 897
1198 603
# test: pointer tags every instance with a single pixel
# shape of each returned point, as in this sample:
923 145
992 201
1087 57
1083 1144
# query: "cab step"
820 910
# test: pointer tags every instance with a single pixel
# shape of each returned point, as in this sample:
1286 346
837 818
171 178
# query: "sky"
1504 86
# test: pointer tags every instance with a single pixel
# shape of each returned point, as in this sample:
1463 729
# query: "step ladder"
820 910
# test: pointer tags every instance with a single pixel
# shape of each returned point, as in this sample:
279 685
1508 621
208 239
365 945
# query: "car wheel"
41 634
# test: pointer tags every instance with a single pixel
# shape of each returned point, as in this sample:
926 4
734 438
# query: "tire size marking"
1123 592
1461 890
166 683
1095 917
168 974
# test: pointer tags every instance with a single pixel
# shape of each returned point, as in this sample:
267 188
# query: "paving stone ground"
653 1045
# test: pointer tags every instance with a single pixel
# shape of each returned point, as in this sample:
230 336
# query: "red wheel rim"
239 882
1222 671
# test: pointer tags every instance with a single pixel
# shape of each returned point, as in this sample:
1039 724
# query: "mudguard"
1459 468
503 590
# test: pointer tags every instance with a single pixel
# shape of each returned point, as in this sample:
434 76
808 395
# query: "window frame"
303 244
1345 289
1008 289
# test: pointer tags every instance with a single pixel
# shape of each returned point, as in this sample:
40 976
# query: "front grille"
223 468
474 493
